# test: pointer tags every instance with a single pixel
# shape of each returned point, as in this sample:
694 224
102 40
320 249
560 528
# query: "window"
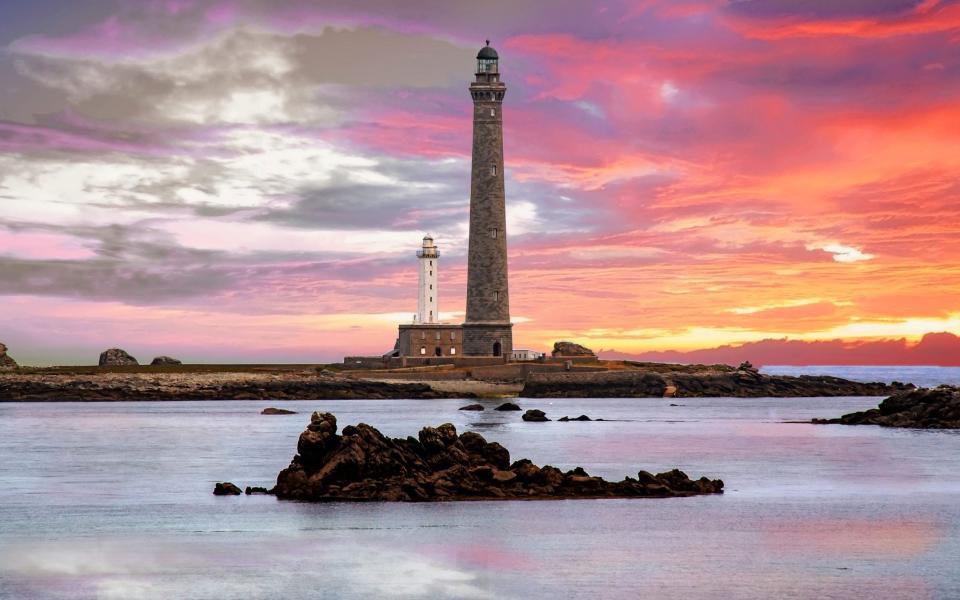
423 349
494 233
431 273
431 263
493 170
431 298
438 336
453 335
493 112
453 351
431 286
496 296
423 334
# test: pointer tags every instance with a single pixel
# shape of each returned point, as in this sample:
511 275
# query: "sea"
113 501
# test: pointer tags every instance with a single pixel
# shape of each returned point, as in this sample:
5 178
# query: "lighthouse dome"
487 53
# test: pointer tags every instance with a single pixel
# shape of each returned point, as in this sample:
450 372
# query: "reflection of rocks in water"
489 425
439 464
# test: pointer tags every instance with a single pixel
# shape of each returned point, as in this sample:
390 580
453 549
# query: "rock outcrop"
507 406
565 349
580 418
225 488
535 415
363 464
277 411
937 408
684 383
164 360
6 362
115 357
472 407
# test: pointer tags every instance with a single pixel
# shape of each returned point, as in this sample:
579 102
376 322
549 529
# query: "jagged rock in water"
937 408
225 488
472 407
580 418
507 406
277 411
6 362
164 360
561 349
535 415
115 357
363 464
255 490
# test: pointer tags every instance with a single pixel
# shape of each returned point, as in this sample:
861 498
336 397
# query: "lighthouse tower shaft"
487 329
427 304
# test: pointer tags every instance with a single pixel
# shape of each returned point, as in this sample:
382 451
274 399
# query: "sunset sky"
244 180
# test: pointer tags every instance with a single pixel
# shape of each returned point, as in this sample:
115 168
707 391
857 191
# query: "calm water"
113 501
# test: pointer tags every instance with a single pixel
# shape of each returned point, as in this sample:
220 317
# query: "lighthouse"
487 330
429 257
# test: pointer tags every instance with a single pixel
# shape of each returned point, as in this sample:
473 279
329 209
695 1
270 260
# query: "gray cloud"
241 76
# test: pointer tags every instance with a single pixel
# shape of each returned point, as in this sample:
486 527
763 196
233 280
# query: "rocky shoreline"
714 381
362 464
937 408
117 387
280 382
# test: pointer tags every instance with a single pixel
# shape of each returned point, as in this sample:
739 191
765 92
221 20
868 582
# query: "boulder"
277 411
6 362
115 357
255 490
362 464
472 407
535 415
580 418
226 488
164 360
561 349
507 406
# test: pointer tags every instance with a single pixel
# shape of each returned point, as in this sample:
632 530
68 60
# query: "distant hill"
940 349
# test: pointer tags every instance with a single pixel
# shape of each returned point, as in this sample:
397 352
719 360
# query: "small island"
364 465
937 408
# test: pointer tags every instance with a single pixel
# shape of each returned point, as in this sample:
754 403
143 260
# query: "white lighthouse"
429 258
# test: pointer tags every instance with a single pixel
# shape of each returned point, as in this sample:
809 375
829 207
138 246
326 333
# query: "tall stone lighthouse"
487 330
